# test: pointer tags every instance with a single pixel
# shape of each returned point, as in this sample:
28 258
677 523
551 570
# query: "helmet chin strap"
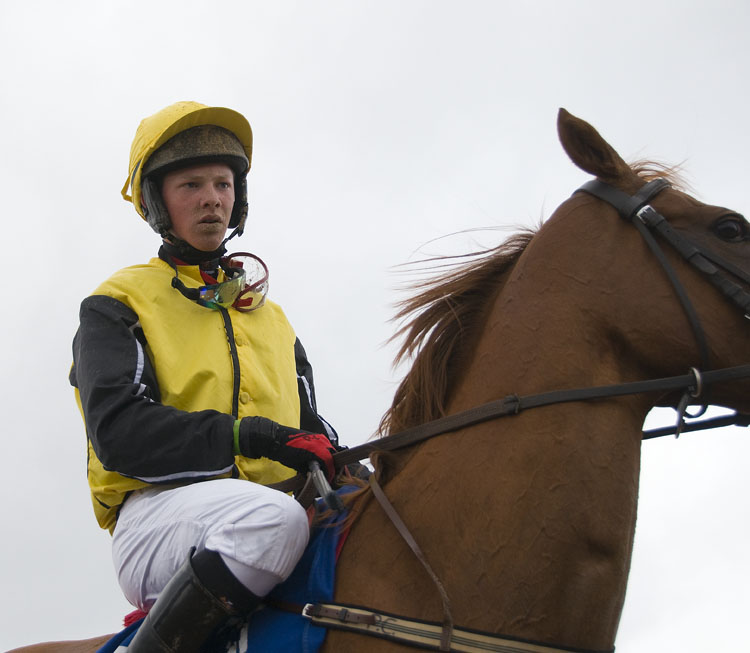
184 251
181 249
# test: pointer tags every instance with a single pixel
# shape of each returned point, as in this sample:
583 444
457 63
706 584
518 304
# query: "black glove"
261 437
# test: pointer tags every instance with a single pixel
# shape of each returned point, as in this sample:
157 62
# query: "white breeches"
260 534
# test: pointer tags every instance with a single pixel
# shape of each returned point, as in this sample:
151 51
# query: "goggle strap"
190 293
245 305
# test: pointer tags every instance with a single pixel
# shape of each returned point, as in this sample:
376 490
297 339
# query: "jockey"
195 393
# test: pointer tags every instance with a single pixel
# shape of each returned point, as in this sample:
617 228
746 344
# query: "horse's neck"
553 490
528 522
530 517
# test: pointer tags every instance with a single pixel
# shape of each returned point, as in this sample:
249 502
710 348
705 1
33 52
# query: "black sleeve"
130 430
309 418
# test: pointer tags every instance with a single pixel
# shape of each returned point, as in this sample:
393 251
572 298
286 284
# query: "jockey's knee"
262 548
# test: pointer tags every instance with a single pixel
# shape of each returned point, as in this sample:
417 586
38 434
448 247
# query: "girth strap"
421 634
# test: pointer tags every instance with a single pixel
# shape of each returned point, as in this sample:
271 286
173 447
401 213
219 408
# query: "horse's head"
696 253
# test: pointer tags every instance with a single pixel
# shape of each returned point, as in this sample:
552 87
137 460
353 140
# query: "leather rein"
637 210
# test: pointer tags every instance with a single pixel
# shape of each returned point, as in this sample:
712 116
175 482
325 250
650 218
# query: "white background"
379 127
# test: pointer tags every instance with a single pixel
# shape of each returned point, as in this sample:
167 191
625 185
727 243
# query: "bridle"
650 223
636 210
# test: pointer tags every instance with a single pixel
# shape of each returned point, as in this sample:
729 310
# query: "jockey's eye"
732 228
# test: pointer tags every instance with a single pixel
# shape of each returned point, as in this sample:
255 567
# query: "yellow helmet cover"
156 130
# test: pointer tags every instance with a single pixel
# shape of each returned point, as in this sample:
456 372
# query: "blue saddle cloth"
270 629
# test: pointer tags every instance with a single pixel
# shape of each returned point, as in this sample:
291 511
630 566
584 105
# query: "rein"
445 637
693 383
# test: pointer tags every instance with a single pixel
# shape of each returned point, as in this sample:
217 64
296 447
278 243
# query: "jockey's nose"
211 197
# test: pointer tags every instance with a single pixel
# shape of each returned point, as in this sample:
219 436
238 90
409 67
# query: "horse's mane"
443 318
438 321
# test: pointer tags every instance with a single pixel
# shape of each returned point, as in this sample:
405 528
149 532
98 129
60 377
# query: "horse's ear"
589 151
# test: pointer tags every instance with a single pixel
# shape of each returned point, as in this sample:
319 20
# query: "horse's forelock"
650 170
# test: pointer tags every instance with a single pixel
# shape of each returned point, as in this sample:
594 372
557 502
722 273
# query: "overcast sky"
379 127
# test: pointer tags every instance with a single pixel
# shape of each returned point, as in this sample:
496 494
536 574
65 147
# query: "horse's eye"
731 228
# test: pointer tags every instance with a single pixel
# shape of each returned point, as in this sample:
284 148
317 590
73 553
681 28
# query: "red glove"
261 437
316 447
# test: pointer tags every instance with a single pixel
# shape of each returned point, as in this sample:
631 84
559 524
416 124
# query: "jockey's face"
199 200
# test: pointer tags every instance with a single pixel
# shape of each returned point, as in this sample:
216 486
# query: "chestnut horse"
528 521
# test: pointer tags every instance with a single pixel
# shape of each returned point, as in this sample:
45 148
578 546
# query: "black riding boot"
196 602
